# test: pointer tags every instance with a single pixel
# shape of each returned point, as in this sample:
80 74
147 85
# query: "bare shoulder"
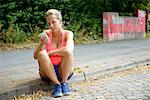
47 31
68 32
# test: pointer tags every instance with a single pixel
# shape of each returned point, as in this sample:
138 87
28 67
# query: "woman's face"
54 23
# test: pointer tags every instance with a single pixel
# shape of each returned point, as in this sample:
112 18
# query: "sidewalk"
19 71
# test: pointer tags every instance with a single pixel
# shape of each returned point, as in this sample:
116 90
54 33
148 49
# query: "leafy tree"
83 17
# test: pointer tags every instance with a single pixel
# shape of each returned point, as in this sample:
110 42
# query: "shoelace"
68 86
56 87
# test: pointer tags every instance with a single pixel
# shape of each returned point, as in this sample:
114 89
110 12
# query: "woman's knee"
42 54
68 53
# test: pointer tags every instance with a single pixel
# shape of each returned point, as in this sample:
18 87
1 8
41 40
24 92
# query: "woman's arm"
39 47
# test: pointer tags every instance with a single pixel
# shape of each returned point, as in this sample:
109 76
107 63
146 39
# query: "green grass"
148 35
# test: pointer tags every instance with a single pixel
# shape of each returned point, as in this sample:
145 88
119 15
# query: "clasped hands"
52 52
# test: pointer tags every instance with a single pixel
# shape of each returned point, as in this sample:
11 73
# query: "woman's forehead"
51 17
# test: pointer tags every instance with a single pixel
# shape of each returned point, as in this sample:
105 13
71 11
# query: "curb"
83 76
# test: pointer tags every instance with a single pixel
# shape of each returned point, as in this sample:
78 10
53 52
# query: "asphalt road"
12 60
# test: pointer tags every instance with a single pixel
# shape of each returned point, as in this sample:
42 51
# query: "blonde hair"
54 12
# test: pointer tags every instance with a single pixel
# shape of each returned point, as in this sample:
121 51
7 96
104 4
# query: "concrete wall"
117 27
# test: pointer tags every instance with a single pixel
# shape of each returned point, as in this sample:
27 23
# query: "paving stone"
110 91
147 93
119 97
138 93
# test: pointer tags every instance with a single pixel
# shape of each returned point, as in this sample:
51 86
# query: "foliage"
22 20
13 35
148 35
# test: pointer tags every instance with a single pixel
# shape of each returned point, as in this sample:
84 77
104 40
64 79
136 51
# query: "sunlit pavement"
132 84
19 71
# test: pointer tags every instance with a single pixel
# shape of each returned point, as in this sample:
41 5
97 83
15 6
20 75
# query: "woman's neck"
57 36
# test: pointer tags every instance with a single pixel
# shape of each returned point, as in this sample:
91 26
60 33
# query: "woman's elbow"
68 52
35 56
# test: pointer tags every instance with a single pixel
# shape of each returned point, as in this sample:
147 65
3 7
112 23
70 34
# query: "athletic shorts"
56 67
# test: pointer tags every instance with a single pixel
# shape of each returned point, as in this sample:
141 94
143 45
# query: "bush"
83 17
13 35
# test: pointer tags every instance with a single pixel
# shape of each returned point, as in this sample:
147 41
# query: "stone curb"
83 76
114 69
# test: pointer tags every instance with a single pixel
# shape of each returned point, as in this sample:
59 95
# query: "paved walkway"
126 85
19 71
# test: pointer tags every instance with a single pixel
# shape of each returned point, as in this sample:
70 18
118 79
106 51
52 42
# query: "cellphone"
43 36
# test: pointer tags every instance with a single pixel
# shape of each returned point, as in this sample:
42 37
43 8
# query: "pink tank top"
55 59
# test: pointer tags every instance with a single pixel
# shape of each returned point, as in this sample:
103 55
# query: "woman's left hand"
50 53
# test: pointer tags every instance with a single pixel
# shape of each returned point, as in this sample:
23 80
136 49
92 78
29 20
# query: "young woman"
56 62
